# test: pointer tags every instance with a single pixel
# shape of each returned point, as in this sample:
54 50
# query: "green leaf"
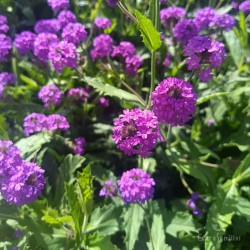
97 241
180 221
243 171
32 144
31 83
133 219
66 174
85 190
105 220
75 209
3 128
243 208
158 234
220 213
210 97
106 89
151 37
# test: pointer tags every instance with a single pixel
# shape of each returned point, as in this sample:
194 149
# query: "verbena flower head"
132 64
74 33
7 78
34 123
112 3
50 94
184 30
80 143
167 60
24 42
63 54
223 21
123 50
5 47
245 7
197 204
24 184
136 186
204 17
102 23
173 101
235 5
109 189
48 26
65 17
9 157
171 15
42 44
102 46
204 53
4 28
58 4
57 122
136 131
103 102
78 94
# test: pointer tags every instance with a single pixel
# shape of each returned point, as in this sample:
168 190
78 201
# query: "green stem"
152 85
185 184
169 135
207 164
126 12
148 227
7 216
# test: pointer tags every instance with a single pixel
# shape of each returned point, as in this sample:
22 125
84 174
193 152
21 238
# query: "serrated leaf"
151 37
105 220
210 97
32 144
180 221
220 213
158 234
108 90
133 219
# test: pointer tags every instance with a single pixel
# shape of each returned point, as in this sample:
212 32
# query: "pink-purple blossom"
80 143
79 94
132 64
24 42
5 79
136 186
173 101
42 44
223 21
57 122
109 189
102 23
102 47
50 95
245 7
124 49
34 123
4 28
58 4
63 54
136 131
48 26
197 204
103 102
204 17
112 3
171 15
5 47
74 33
65 17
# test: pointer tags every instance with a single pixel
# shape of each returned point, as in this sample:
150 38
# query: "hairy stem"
126 12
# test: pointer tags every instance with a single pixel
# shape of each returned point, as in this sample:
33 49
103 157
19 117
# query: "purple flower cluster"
197 204
102 47
78 94
50 94
132 64
74 33
58 4
63 54
208 18
5 47
112 3
245 7
135 186
4 28
5 79
171 15
24 42
109 189
123 50
42 44
173 101
184 30
167 60
102 23
136 132
20 182
80 143
34 123
103 102
204 54
65 17
48 26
